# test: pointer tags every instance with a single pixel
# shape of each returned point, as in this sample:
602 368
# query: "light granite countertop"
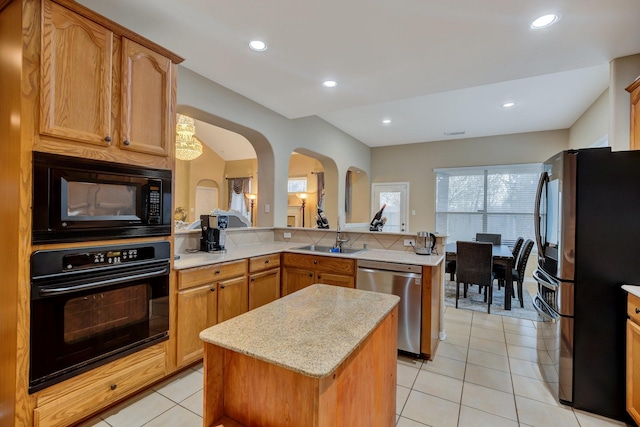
632 289
311 331
198 259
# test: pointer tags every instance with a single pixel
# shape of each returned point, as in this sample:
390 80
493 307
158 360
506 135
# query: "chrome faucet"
340 241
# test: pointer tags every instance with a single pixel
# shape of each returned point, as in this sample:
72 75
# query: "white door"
206 200
396 196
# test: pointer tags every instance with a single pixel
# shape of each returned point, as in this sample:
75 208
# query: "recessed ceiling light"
257 45
386 121
508 104
544 21
329 83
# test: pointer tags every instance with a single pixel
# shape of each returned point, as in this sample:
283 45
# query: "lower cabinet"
264 280
264 287
197 310
633 357
70 401
301 271
206 296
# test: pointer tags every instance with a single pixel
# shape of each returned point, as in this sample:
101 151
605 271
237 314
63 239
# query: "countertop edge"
319 373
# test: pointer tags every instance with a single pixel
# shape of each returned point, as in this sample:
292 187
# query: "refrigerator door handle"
545 280
542 183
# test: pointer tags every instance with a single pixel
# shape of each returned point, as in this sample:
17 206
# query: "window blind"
486 199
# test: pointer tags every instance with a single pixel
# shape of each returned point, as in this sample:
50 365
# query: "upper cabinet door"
146 100
75 77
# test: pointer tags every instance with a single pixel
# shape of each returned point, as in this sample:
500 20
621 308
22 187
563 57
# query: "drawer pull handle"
126 142
114 386
212 289
107 138
637 310
310 274
217 271
222 286
315 261
266 262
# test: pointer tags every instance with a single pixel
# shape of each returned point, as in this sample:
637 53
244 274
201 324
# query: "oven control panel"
113 256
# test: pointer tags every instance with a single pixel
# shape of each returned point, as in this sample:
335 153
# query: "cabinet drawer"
98 393
265 262
633 308
211 273
320 263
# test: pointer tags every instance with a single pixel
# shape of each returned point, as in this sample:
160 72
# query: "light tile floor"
491 371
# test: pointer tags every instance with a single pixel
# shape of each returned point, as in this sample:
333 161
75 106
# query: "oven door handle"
545 280
100 283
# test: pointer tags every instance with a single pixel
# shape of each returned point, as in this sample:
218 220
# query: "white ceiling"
432 66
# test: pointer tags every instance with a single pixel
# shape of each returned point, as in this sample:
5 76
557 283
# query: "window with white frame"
486 199
297 185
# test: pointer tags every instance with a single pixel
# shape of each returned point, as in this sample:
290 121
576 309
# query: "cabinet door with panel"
633 357
233 298
294 279
335 279
197 310
76 68
146 100
264 287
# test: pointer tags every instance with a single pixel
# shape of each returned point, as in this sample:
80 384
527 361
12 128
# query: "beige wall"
593 125
623 71
208 166
360 198
414 163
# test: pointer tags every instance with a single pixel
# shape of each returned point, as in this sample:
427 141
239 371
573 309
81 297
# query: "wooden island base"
240 390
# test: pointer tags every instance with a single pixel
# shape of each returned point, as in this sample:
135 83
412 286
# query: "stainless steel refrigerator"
588 239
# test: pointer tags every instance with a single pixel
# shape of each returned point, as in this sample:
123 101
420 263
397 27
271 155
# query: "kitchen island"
322 356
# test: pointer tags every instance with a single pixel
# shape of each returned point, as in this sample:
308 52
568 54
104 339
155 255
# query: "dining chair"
496 239
517 273
499 270
474 266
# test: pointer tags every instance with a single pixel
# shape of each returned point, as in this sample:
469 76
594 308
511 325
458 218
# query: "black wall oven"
75 200
93 305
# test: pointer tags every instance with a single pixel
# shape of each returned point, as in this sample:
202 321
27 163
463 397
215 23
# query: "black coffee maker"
214 232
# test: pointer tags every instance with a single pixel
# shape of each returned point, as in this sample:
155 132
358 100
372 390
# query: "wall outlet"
267 208
409 242
287 235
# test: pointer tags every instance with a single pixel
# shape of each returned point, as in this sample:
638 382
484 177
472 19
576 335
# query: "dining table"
501 256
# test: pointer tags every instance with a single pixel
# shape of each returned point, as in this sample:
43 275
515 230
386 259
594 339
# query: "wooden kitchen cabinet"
633 357
197 310
103 95
634 90
206 296
302 270
264 280
233 298
70 401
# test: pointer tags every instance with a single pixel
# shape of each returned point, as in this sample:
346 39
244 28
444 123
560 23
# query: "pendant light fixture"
188 147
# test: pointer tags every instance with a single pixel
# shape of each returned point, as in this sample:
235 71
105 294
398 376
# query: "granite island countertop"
311 331
198 259
632 289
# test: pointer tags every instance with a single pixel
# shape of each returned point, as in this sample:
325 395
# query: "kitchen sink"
318 248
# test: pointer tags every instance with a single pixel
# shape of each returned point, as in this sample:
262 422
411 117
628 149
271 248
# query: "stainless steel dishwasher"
405 281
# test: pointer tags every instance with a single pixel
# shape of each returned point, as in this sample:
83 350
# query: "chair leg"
451 276
490 291
457 293
520 296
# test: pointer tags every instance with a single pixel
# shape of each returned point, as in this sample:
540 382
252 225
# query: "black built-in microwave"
77 199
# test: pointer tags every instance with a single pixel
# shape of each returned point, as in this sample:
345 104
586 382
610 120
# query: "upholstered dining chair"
498 270
517 273
496 239
474 266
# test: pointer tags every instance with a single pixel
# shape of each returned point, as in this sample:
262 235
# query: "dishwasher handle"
389 266
394 273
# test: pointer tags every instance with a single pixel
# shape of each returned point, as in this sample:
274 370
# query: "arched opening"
230 152
357 197
317 174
